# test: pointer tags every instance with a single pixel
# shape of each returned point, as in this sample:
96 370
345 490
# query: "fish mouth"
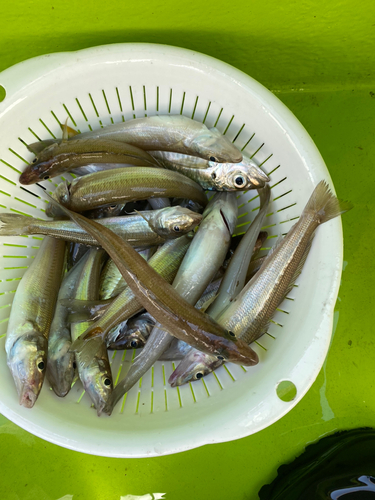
27 397
28 177
243 355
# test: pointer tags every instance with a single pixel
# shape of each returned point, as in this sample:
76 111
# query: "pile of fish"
137 255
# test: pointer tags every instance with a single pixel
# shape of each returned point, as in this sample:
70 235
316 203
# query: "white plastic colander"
110 84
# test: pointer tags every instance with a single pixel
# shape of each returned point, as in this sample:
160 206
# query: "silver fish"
30 320
170 133
250 312
142 229
215 176
95 376
235 275
60 362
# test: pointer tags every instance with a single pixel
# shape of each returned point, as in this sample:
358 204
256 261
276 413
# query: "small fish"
30 319
66 155
170 133
147 228
250 312
61 364
122 185
215 176
96 375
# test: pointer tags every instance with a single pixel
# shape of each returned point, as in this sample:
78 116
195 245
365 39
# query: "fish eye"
221 358
231 333
41 366
113 206
134 344
107 382
213 176
34 160
46 177
239 181
212 158
198 375
176 229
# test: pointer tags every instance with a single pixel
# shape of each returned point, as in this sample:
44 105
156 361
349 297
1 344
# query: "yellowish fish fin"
15 225
324 205
68 132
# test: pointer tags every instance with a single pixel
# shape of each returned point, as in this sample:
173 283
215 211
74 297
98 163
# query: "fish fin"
87 345
15 225
78 317
68 132
39 146
208 302
264 196
324 205
143 217
55 208
76 305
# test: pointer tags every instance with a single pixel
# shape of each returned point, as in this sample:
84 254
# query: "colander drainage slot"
286 391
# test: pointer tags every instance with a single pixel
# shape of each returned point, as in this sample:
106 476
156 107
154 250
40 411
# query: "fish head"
61 366
128 338
27 360
97 380
236 177
194 366
235 350
173 222
41 167
214 146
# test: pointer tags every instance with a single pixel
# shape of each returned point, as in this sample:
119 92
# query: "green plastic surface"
319 59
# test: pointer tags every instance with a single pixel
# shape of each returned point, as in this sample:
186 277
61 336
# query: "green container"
319 59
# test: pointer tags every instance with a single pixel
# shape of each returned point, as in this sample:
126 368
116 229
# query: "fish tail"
15 225
324 205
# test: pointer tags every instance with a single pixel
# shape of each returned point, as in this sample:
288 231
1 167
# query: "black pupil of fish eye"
213 175
239 181
113 206
41 365
107 382
177 229
134 343
199 375
231 333
220 357
46 177
212 158
34 160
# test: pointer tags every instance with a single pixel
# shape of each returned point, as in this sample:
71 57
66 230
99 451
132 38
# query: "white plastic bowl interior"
110 84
